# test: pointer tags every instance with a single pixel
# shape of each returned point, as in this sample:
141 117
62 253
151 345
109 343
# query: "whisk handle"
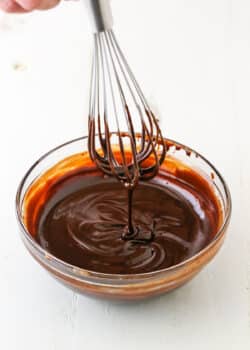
100 14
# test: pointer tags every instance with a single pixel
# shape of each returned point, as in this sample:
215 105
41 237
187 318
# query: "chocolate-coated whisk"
124 136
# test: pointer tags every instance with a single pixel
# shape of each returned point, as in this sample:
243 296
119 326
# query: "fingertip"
48 4
29 5
11 6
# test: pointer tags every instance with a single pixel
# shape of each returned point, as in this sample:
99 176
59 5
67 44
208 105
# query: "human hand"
22 6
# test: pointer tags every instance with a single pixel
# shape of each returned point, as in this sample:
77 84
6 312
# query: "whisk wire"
150 133
131 132
115 97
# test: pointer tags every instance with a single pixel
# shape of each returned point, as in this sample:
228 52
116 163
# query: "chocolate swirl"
83 224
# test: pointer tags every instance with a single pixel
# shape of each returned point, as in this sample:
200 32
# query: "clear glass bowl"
134 286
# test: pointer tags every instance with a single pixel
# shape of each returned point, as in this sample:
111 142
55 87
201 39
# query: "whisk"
124 136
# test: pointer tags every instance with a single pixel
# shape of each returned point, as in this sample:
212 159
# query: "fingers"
48 4
11 6
30 5
15 6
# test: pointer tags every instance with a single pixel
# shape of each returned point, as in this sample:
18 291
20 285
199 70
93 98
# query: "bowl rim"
80 273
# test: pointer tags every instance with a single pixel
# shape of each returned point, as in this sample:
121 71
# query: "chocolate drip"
137 159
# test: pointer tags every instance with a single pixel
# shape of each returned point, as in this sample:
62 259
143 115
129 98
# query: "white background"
192 58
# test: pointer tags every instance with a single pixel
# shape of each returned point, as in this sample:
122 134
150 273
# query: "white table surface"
193 61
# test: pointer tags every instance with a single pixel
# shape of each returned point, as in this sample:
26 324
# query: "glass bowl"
132 286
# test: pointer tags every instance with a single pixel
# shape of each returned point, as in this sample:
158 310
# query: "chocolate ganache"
79 215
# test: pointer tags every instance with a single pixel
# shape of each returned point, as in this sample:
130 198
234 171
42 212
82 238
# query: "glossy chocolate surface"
80 216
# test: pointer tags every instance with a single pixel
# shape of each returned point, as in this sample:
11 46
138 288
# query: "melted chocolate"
80 216
140 160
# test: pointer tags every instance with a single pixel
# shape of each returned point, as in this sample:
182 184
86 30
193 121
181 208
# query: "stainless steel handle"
100 14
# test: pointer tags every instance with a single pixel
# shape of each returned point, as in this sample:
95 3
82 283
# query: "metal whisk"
124 136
